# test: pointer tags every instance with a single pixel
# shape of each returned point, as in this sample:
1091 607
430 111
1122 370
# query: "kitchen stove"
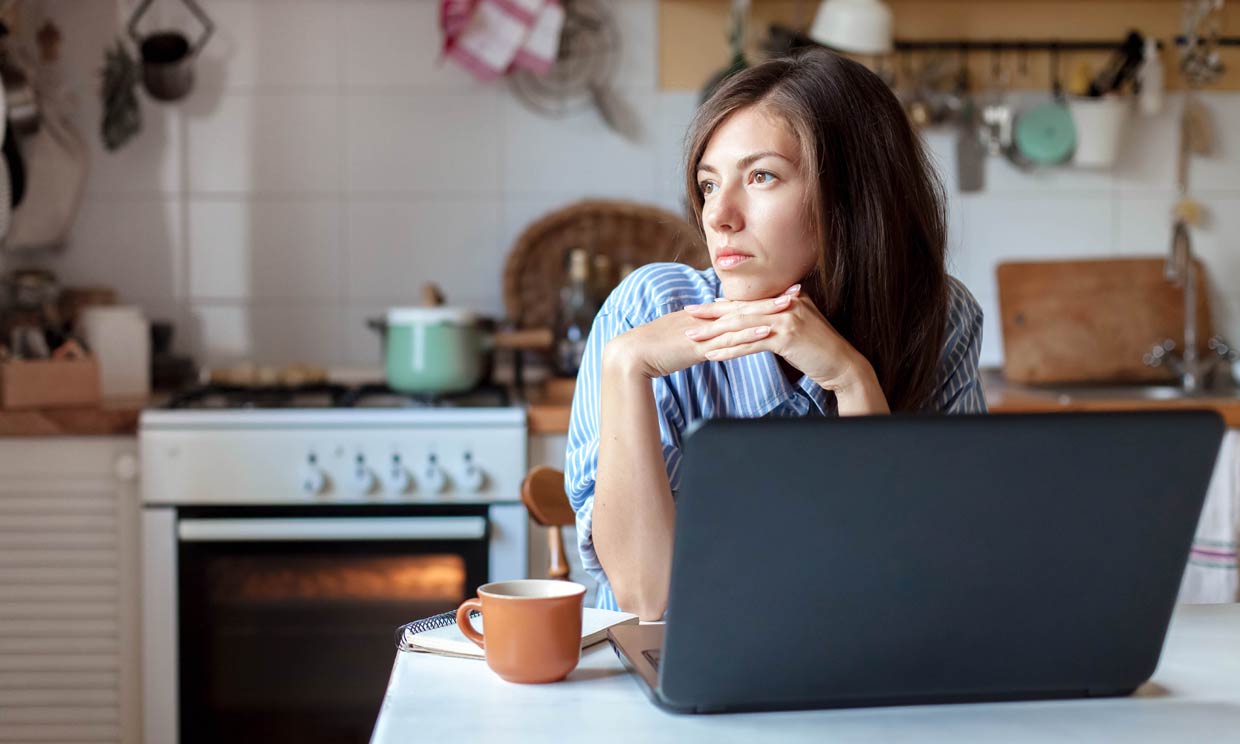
287 531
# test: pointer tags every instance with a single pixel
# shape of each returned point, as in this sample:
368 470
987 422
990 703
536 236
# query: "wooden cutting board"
1092 320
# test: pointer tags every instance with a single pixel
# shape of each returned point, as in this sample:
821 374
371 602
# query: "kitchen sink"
1131 392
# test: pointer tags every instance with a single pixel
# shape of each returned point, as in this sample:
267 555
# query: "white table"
1193 696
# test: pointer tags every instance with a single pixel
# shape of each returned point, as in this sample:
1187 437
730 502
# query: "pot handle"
378 325
208 26
533 339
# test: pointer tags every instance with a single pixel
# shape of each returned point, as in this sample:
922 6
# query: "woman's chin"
747 288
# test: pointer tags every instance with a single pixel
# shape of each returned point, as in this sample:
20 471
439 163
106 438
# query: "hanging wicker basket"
628 232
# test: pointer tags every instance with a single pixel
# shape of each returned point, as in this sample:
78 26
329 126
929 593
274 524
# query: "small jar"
120 338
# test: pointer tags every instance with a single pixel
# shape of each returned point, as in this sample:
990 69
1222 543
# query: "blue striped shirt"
748 387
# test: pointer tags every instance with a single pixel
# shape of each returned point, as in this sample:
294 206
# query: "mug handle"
462 621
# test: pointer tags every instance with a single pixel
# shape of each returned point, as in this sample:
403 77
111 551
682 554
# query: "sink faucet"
1187 365
1180 271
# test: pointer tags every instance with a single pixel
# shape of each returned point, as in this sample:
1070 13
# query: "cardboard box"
49 383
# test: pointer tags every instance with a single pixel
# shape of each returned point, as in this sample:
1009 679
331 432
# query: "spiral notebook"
438 634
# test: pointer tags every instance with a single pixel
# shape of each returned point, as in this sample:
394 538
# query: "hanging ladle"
168 56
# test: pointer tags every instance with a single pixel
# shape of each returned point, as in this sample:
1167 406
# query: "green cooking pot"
434 350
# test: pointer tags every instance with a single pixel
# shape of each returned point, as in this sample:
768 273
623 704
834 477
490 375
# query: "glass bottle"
577 310
602 279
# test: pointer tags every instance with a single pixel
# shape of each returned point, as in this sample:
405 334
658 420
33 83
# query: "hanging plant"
122 119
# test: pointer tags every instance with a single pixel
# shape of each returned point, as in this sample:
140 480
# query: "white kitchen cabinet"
68 589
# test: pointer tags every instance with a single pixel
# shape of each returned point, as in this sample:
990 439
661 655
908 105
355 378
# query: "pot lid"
425 315
1046 135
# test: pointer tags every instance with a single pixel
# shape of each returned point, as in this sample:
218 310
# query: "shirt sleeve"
581 456
961 391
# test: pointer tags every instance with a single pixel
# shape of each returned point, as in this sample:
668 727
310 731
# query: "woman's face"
753 213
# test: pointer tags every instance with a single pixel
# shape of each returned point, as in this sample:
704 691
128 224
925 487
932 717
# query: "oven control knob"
363 479
432 477
472 477
313 480
396 479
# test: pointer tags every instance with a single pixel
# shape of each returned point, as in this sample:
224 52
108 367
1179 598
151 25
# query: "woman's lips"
731 260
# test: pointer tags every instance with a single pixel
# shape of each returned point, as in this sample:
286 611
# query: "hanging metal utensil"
970 151
1199 58
996 113
168 56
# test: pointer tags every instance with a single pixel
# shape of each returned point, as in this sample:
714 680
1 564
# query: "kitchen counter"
1002 397
1194 694
550 416
115 417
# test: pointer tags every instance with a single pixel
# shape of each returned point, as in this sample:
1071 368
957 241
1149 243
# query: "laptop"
896 560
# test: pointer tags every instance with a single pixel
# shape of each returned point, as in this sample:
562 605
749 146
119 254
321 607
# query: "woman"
827 296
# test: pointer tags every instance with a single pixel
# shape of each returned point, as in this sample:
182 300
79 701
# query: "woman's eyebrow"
745 162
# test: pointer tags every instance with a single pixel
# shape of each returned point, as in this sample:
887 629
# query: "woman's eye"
706 187
763 177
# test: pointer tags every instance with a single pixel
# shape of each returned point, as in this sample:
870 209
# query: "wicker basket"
629 232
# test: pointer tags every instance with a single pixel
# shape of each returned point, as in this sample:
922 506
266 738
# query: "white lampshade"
858 26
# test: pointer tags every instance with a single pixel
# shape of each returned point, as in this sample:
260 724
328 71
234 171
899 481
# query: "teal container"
433 350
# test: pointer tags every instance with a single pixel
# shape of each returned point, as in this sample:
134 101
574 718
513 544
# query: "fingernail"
692 307
712 354
692 333
761 331
721 299
783 300
793 289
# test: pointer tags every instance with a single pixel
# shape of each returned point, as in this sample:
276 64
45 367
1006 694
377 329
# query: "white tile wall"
273 44
328 163
397 45
422 142
394 247
266 142
269 249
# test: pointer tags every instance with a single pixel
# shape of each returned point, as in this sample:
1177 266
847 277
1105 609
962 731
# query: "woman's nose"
725 213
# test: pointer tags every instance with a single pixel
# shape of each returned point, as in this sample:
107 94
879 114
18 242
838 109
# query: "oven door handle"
332 529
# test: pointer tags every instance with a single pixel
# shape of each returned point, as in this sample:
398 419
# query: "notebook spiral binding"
443 619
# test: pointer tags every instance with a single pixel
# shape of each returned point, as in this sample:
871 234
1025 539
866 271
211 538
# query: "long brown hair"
878 209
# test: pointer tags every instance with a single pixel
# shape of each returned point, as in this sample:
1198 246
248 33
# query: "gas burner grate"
317 395
380 395
331 395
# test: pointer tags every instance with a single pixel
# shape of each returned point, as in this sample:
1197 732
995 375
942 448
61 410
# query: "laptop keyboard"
652 655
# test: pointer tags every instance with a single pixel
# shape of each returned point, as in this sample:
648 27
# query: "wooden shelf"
693 33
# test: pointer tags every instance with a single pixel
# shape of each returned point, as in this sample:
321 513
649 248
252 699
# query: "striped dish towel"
490 38
1210 576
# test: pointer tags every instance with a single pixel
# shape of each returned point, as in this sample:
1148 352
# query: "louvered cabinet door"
68 590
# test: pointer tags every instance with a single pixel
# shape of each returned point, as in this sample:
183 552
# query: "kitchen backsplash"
326 165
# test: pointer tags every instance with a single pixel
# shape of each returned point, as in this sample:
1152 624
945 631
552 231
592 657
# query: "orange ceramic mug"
531 627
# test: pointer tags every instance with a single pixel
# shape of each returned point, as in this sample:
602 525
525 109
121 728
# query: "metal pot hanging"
168 56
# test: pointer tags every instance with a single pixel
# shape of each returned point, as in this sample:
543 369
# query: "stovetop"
330 395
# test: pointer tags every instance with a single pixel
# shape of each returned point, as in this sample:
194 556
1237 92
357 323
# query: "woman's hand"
657 348
793 328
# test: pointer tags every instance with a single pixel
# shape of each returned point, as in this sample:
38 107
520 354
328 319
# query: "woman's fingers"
711 310
723 308
734 339
743 315
743 347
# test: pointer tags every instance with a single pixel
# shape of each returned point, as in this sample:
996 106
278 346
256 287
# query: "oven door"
286 615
